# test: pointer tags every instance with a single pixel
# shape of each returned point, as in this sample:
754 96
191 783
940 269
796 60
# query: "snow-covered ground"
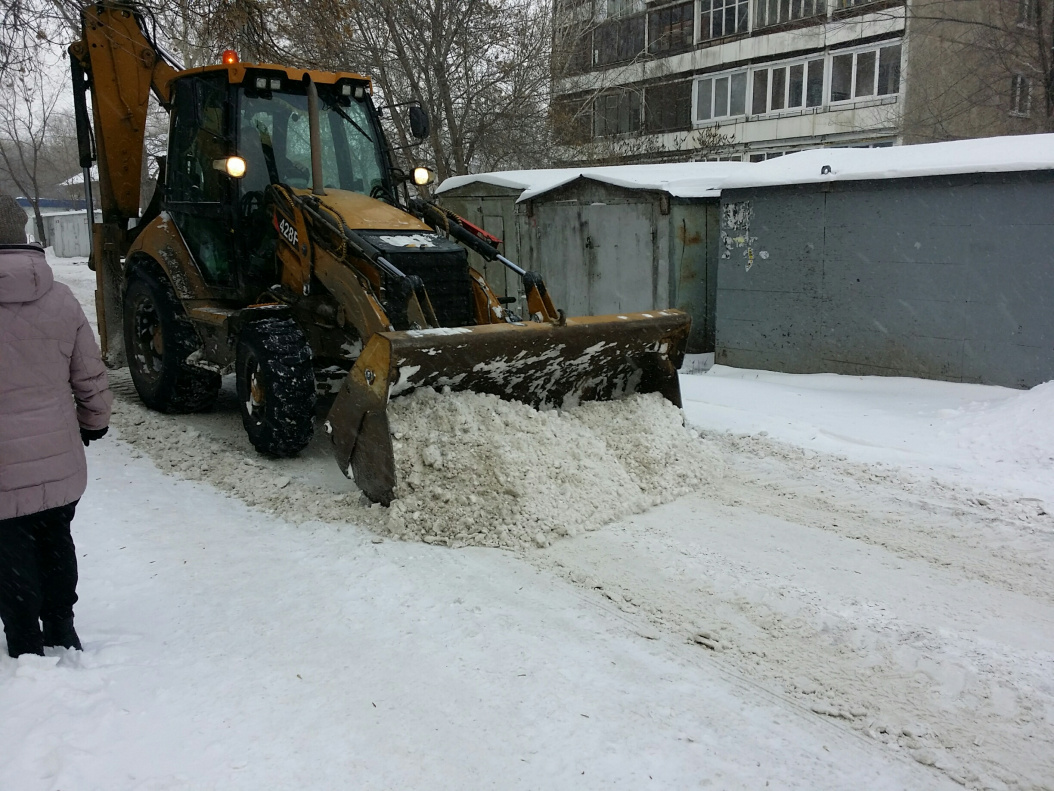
860 595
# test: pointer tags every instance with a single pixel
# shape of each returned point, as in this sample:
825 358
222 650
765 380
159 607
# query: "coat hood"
24 273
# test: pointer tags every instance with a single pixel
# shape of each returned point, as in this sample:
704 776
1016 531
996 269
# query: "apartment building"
653 80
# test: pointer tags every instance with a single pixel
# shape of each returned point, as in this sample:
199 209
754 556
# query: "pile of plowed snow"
472 469
1018 430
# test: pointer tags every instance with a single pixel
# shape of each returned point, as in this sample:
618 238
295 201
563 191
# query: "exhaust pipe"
316 138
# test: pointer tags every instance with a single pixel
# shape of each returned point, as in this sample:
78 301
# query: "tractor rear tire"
276 386
158 339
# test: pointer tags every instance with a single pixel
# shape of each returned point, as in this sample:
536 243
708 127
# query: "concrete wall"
946 278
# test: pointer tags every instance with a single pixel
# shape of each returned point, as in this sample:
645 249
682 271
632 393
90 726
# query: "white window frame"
1026 97
819 11
787 64
696 120
699 37
1026 14
616 9
856 51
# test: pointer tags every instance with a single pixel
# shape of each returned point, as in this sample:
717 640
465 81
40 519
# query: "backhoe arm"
116 61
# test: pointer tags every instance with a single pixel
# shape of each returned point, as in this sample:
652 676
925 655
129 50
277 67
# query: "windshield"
275 141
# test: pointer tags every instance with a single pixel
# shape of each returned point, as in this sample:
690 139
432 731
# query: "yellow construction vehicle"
283 245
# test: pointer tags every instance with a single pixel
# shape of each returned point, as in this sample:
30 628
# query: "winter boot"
61 633
18 644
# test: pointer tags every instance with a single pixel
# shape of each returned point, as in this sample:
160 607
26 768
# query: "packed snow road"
856 593
914 612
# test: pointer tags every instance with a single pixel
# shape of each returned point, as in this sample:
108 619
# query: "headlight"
423 176
232 166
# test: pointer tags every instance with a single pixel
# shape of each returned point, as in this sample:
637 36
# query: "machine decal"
285 229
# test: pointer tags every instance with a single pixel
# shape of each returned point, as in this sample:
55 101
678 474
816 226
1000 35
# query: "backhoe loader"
283 245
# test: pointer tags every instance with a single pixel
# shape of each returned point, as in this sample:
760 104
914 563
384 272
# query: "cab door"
198 196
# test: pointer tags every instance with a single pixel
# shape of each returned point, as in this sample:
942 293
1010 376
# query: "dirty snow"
472 469
862 598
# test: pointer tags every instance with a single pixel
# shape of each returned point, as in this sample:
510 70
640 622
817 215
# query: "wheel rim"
148 343
256 396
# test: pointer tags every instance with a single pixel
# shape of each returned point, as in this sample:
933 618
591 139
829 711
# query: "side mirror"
419 122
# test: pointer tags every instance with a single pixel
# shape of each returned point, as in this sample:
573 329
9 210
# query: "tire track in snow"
887 603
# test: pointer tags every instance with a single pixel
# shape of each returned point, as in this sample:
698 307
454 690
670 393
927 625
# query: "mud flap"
594 358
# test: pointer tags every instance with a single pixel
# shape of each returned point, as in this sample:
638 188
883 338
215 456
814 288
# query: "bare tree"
481 68
30 153
30 27
197 31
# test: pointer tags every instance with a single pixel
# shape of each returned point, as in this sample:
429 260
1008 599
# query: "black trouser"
38 573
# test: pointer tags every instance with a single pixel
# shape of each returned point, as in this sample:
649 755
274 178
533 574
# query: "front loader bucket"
593 358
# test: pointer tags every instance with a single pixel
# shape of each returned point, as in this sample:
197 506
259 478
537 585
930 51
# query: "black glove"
88 434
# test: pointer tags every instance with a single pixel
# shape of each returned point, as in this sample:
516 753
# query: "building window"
616 113
773 12
668 108
721 96
768 155
622 7
872 72
618 41
573 50
787 86
572 120
1020 95
670 29
1026 13
851 3
722 18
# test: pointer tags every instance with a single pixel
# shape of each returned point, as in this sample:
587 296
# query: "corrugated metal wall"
494 209
604 249
946 278
600 250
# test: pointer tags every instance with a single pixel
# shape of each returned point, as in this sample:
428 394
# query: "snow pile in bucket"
473 469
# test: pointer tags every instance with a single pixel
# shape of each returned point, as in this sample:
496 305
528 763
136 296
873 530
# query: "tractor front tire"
158 339
276 386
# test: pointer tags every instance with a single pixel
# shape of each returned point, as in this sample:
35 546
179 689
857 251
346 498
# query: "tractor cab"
239 129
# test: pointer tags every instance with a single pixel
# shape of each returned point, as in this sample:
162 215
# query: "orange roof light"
229 57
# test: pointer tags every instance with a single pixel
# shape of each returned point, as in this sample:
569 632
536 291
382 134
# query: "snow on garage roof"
707 179
681 179
983 155
78 178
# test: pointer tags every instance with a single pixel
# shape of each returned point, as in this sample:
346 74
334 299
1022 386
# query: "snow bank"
473 469
1017 431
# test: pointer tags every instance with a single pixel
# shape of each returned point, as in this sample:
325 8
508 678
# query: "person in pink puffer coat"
54 399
